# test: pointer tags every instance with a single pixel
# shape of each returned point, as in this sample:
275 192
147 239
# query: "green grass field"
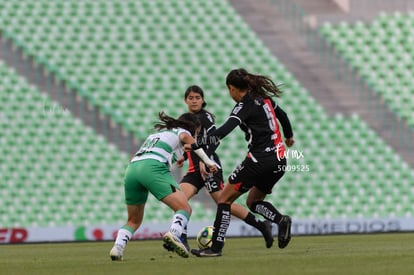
350 254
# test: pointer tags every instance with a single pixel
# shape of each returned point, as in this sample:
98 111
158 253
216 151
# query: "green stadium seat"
386 37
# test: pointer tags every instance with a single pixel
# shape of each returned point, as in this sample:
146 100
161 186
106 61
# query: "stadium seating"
382 52
135 58
54 169
115 53
352 173
124 61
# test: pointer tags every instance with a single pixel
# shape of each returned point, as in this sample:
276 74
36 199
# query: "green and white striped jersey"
164 146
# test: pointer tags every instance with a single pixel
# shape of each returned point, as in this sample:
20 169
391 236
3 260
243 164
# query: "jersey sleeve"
240 111
284 120
210 127
181 130
207 121
225 129
237 116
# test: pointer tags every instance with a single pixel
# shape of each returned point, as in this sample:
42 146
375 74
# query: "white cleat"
175 242
116 253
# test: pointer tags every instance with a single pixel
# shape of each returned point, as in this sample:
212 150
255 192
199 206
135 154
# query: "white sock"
178 224
123 237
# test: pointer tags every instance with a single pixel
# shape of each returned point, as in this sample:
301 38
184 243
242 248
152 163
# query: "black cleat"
267 234
284 231
206 252
168 247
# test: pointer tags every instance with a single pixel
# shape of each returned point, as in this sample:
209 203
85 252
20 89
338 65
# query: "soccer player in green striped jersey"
149 172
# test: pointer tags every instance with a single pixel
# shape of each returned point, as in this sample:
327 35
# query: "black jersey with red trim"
207 126
258 118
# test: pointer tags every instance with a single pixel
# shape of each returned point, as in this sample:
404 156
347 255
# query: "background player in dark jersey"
257 115
197 177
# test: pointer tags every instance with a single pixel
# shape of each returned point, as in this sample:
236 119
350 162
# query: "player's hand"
203 170
213 168
180 162
289 142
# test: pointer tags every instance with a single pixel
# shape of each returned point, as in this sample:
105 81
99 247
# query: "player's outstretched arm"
190 144
287 127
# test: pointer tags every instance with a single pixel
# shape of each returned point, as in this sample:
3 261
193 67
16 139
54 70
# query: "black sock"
221 224
256 223
267 210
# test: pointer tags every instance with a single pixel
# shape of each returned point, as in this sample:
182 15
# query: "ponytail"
186 121
257 85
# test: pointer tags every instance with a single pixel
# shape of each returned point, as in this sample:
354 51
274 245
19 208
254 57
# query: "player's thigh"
214 182
166 189
262 174
244 176
272 172
194 179
157 179
188 189
135 192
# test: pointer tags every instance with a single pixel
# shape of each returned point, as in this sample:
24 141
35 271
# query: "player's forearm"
203 156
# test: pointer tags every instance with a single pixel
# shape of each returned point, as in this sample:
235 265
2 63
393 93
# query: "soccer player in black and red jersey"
198 177
257 114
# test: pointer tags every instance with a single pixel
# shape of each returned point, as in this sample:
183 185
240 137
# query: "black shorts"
263 173
212 183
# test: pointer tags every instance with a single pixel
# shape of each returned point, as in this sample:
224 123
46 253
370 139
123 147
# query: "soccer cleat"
116 253
267 234
284 231
175 242
184 240
169 248
206 252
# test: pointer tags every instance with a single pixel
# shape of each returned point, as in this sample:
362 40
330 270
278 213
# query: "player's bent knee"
251 204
